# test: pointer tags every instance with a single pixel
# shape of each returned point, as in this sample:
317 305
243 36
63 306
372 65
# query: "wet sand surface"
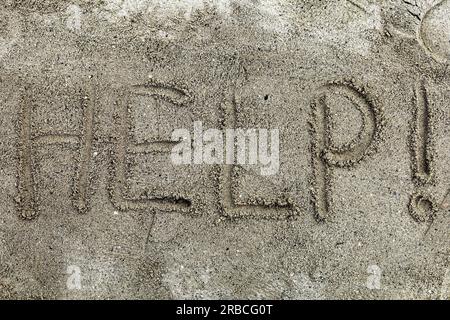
91 205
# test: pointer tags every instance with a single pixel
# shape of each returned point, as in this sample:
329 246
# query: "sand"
92 207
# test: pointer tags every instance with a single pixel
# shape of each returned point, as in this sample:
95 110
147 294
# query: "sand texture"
93 207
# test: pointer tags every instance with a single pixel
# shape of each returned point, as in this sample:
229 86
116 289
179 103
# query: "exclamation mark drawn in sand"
422 206
326 155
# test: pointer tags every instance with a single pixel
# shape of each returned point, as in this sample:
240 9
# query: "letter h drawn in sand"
282 209
326 155
125 145
422 205
27 192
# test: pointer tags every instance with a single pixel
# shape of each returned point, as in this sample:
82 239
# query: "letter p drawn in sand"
325 155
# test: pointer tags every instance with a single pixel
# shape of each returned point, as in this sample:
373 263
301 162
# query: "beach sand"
91 205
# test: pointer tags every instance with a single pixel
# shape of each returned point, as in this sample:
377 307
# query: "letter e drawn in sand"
284 208
422 206
28 205
325 155
125 145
